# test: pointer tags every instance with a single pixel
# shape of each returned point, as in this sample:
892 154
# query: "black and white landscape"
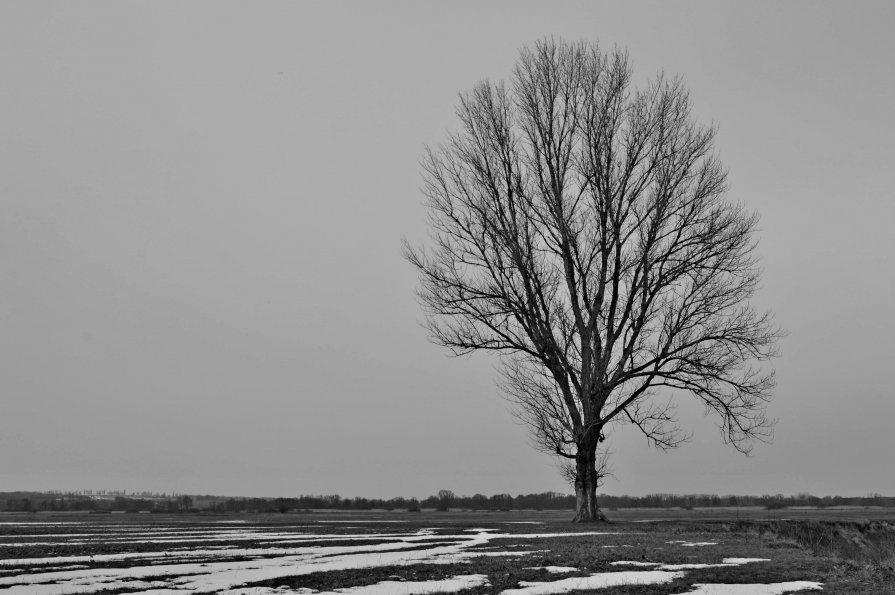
404 297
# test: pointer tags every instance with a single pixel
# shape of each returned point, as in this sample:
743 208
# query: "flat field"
736 551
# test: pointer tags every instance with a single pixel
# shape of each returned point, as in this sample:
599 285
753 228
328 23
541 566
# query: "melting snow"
744 560
269 591
450 585
212 576
42 524
524 523
659 566
755 589
600 580
362 521
212 568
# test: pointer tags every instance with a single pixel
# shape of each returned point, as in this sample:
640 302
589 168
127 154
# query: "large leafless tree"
580 228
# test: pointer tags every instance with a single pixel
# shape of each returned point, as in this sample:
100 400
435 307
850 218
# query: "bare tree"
580 229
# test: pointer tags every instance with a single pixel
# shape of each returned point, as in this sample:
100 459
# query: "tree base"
598 517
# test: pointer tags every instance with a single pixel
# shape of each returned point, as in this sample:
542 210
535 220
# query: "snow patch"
659 566
755 589
744 560
39 523
363 521
270 591
450 585
724 562
602 580
524 523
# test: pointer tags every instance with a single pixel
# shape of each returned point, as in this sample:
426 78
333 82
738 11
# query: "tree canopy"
581 229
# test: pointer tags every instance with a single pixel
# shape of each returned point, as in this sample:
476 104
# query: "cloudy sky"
201 212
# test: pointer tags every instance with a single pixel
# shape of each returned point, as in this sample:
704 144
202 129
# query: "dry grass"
862 553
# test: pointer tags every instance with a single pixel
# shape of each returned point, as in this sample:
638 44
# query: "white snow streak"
755 589
659 566
449 585
601 580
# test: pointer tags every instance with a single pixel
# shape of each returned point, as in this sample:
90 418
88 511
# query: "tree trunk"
586 479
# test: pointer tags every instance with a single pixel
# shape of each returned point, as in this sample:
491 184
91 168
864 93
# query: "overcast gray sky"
201 210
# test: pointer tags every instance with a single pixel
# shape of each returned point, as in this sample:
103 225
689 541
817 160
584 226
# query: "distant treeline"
44 502
444 500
